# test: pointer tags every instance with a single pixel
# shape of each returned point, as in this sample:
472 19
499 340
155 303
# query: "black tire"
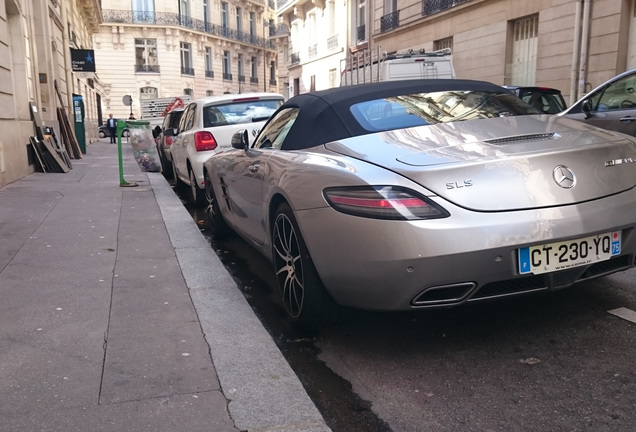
175 177
196 196
304 297
213 217
166 165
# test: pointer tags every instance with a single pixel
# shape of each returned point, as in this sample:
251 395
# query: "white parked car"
206 127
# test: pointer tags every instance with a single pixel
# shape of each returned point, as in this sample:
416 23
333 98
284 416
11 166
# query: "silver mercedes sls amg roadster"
418 194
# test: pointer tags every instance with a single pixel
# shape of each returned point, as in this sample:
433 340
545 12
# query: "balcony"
430 7
242 78
279 30
147 69
227 76
295 58
390 21
332 43
187 71
254 80
272 82
163 19
209 74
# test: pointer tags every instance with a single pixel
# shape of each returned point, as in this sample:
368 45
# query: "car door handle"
254 167
628 119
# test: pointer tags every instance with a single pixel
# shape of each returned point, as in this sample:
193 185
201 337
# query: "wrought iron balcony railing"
175 19
241 78
254 80
295 58
272 82
390 21
430 7
279 30
147 68
332 42
227 76
209 74
187 70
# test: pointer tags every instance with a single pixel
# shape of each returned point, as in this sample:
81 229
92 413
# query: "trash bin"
143 144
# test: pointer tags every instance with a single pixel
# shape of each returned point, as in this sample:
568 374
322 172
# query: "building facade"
572 45
149 49
36 73
316 44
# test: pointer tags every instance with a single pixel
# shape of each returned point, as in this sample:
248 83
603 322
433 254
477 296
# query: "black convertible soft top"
325 115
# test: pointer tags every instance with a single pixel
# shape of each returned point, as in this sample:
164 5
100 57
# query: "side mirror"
587 108
241 140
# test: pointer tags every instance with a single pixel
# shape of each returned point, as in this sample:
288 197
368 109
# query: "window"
618 96
186 59
206 15
187 119
209 92
239 19
391 19
274 133
254 75
227 68
148 93
239 111
146 55
241 72
143 11
209 73
446 43
184 13
272 73
187 91
521 68
224 16
361 20
333 76
253 26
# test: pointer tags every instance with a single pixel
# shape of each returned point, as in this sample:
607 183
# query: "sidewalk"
117 315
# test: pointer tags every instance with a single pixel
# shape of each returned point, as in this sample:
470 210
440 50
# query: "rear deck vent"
522 138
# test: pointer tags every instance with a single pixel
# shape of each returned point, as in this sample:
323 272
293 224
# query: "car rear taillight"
383 202
204 141
169 141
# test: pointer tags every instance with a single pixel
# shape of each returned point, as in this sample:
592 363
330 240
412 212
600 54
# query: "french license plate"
569 254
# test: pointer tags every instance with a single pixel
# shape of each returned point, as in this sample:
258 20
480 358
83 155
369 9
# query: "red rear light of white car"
383 202
204 141
168 141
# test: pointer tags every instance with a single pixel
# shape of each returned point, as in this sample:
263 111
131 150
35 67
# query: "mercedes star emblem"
564 177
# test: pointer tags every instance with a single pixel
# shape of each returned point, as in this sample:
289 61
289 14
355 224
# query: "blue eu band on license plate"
567 254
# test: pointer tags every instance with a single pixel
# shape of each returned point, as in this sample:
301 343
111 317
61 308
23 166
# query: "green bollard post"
121 125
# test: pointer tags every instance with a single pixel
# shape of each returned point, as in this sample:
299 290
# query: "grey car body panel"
514 172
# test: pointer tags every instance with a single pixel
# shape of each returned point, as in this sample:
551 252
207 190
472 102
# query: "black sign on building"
83 60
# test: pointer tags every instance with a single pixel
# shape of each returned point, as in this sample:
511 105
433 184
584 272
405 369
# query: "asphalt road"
549 362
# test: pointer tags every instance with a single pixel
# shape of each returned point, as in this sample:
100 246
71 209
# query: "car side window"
187 121
275 132
620 95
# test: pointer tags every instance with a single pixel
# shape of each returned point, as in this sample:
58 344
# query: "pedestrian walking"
112 128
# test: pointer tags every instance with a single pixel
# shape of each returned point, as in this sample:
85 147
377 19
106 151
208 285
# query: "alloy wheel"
288 265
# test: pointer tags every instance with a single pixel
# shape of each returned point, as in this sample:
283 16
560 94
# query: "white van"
373 66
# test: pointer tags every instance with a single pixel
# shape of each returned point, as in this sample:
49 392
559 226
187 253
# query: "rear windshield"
238 112
437 107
